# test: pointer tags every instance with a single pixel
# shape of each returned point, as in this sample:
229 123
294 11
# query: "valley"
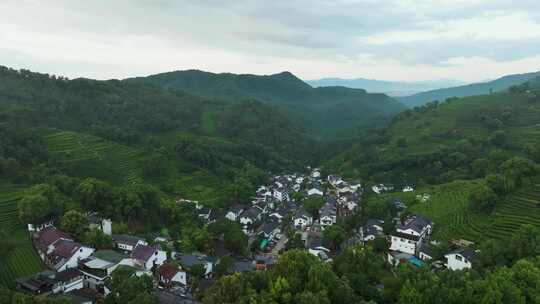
213 171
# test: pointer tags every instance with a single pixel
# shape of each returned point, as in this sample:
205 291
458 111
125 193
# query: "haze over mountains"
481 88
391 88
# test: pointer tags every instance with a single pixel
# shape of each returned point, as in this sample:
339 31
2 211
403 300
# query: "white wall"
73 262
106 225
180 277
403 245
457 262
158 258
246 221
231 216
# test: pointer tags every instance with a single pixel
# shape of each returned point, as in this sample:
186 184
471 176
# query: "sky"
407 40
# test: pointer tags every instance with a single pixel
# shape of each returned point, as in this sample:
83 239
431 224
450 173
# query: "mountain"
391 88
125 132
325 112
462 138
497 85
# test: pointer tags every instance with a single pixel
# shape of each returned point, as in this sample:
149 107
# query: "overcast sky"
467 40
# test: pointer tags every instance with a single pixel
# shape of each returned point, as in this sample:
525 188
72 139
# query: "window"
459 258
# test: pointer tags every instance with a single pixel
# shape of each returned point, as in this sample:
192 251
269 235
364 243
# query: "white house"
67 254
127 242
170 275
380 188
408 236
315 191
234 213
67 280
97 222
416 225
328 213
270 229
334 180
281 194
190 260
39 227
99 266
316 173
149 257
316 248
425 253
372 229
58 250
408 189
302 219
405 243
250 216
459 259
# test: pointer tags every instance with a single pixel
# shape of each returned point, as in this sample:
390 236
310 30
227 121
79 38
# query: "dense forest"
326 112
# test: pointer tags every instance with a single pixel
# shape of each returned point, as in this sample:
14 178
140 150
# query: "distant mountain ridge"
392 88
474 89
324 111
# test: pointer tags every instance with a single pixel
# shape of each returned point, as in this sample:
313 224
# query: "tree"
197 271
492 254
41 203
295 242
401 142
313 204
129 288
498 184
525 243
222 268
380 244
482 198
74 222
6 245
297 196
333 236
157 167
410 295
99 240
499 139
236 240
96 195
241 189
479 167
517 169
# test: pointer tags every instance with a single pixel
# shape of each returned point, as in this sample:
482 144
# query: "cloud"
487 28
394 39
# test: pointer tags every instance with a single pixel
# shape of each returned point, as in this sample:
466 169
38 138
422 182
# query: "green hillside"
324 111
441 142
23 260
482 88
127 120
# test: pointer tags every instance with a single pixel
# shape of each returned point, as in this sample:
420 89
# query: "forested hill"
120 131
482 88
458 139
325 111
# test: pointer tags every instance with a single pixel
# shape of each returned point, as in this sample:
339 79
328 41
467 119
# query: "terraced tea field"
453 219
23 261
87 155
520 209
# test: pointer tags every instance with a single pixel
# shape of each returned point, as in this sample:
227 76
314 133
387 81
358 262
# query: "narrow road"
279 245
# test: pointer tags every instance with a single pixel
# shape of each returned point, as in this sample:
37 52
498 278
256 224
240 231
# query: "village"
292 211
